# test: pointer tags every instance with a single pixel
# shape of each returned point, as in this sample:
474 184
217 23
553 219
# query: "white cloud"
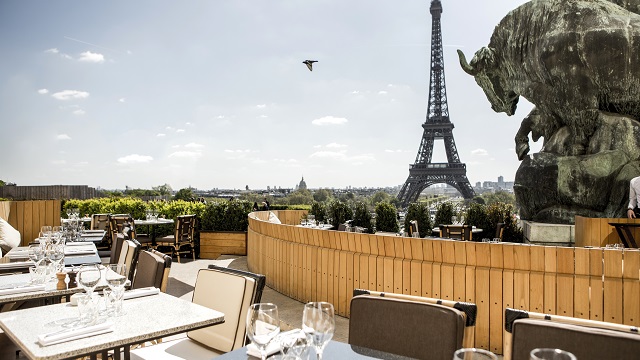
43 91
185 154
121 100
91 57
63 137
355 92
66 56
220 116
135 159
382 92
161 135
336 145
342 156
79 112
261 106
58 162
329 120
328 155
70 94
194 146
263 116
180 130
187 123
479 152
52 51
168 128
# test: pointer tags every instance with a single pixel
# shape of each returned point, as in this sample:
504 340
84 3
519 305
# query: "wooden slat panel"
613 285
536 279
596 308
582 280
498 296
631 288
565 277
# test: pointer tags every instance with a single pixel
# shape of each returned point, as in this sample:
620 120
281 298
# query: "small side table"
625 234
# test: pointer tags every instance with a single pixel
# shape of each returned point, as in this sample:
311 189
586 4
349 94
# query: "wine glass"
474 354
550 354
318 321
116 277
56 255
88 278
263 324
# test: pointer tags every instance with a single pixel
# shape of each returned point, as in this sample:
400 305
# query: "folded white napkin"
77 243
94 231
79 251
16 264
21 254
20 288
272 348
60 336
90 235
136 293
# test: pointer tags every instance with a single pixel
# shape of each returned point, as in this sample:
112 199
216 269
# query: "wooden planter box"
216 243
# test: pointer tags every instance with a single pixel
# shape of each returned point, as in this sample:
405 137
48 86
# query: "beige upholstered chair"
152 270
100 222
458 232
227 292
182 242
411 326
129 256
586 339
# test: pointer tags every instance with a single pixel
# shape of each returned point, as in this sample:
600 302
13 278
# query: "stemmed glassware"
474 354
116 277
263 324
318 322
88 278
550 354
55 252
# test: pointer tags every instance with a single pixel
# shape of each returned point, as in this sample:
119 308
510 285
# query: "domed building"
302 185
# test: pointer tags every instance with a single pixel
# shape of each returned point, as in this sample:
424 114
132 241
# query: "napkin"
272 348
20 288
136 293
60 336
17 254
79 251
94 231
76 243
16 264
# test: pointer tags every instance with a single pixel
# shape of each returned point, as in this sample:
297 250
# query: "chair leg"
176 253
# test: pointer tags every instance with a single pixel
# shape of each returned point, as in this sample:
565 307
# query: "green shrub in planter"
386 217
477 216
339 212
419 212
505 213
226 215
362 217
444 212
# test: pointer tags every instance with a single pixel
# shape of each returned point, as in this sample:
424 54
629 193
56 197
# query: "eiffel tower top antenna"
423 173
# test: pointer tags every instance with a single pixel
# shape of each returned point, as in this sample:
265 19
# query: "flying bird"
309 64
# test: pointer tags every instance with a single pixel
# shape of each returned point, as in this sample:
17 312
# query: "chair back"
129 256
459 232
416 329
499 230
228 293
117 223
260 279
185 227
413 228
586 339
100 222
152 270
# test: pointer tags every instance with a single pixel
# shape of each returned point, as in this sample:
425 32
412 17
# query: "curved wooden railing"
323 265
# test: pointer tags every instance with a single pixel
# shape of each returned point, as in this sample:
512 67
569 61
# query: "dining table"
152 223
75 254
170 315
334 350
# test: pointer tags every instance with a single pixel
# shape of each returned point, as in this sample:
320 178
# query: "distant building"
302 185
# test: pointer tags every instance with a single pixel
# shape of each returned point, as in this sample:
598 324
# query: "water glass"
474 354
38 274
293 345
88 277
550 354
263 324
88 306
318 322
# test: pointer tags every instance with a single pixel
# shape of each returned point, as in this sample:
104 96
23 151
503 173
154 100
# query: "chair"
152 270
499 230
411 326
459 232
100 222
342 227
260 279
413 229
224 290
129 256
586 339
183 237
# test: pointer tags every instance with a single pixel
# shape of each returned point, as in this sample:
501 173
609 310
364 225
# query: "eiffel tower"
424 173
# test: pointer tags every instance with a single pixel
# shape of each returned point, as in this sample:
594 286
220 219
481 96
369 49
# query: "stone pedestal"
548 234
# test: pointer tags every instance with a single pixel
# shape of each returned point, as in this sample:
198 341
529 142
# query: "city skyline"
215 94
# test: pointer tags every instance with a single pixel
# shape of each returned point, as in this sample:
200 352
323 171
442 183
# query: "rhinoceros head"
486 71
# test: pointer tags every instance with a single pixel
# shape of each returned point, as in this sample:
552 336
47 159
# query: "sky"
214 94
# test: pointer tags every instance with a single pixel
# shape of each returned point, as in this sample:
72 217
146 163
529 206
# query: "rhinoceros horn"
465 65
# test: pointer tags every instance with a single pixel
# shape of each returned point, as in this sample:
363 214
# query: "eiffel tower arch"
424 173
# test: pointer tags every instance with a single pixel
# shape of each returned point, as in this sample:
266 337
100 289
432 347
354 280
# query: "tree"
339 213
163 189
2 183
444 212
362 217
185 194
300 197
420 212
499 197
322 195
386 217
379 197
319 210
